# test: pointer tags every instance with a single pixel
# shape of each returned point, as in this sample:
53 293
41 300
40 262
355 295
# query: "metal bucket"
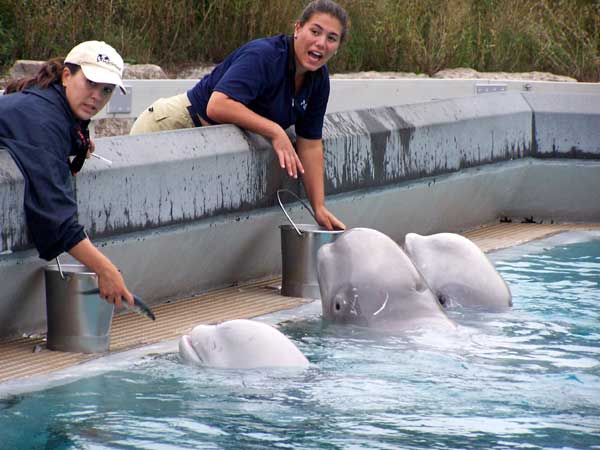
76 322
299 246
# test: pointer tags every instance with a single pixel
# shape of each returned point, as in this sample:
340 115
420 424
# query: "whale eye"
338 306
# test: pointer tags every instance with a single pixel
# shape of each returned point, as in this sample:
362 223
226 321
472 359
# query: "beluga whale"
366 279
457 271
240 344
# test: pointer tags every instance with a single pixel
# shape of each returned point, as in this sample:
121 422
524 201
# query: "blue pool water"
528 378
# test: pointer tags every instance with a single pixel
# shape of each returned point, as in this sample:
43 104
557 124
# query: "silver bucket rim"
309 228
69 268
299 228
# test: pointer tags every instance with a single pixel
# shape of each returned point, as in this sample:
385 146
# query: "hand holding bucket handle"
307 207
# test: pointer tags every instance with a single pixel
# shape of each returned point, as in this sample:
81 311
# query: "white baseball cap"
99 62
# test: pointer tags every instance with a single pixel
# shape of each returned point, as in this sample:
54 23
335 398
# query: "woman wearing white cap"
43 123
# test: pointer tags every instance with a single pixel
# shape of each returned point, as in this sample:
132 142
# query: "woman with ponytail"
44 126
266 86
50 72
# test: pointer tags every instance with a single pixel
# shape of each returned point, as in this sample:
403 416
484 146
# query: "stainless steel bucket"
299 246
76 322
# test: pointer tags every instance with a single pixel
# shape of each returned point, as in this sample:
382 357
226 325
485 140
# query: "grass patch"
422 36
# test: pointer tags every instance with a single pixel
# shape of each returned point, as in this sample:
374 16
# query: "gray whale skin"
366 279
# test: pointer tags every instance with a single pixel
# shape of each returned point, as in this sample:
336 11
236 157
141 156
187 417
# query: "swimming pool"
526 378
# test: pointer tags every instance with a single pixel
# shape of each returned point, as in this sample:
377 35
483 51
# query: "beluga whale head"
457 271
240 344
366 279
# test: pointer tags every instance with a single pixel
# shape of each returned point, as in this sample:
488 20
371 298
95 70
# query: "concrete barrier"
188 175
175 177
382 146
186 211
565 125
351 94
13 233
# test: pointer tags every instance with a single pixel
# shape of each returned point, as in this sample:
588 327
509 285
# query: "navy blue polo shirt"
260 74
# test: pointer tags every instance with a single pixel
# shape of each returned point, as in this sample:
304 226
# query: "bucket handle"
62 275
308 208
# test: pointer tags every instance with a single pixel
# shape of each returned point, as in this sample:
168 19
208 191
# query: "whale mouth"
385 302
187 350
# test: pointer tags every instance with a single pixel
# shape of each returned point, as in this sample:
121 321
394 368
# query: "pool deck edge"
28 356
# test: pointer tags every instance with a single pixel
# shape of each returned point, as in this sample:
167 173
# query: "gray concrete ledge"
189 175
565 125
378 147
13 232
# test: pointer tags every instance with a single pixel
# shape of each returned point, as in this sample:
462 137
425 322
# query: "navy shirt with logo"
260 75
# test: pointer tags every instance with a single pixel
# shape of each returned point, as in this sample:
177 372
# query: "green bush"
423 36
8 37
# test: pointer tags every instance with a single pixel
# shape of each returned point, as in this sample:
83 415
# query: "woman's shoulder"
41 107
34 100
271 49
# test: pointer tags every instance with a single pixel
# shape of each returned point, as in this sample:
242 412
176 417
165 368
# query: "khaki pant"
165 114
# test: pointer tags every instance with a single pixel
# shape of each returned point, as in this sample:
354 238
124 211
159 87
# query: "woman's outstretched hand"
110 281
326 219
112 287
286 154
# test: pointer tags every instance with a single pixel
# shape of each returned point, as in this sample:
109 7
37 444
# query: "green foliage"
423 36
9 42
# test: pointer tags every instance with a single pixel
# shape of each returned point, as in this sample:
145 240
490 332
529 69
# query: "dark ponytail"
50 72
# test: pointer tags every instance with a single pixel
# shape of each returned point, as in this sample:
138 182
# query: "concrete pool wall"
186 211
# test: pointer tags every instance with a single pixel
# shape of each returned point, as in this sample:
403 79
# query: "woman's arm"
310 152
223 109
110 282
